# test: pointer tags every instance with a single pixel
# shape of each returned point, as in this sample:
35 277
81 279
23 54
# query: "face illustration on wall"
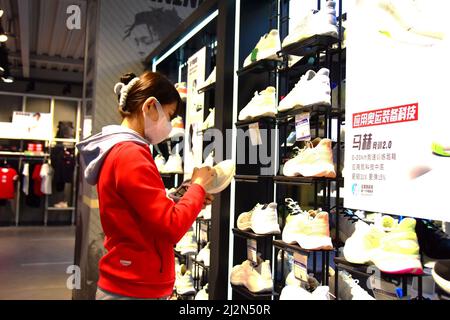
149 28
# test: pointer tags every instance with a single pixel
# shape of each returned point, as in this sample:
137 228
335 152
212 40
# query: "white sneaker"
61 205
264 220
260 278
185 284
182 90
160 162
210 80
204 255
174 164
263 104
187 244
349 288
209 122
244 221
205 213
203 294
266 48
360 246
320 23
225 172
312 161
293 292
240 273
312 89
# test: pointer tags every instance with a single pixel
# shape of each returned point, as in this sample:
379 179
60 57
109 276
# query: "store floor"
33 262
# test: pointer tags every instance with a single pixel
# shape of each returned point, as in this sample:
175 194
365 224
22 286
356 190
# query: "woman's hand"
203 176
209 198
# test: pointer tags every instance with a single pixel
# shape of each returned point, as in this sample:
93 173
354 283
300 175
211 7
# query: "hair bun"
125 79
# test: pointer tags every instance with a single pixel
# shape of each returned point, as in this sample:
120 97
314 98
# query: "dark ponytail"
151 84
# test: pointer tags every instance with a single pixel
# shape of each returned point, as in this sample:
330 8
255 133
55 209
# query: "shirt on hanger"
26 178
7 178
37 180
47 178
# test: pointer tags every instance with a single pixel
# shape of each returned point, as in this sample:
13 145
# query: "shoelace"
293 206
296 151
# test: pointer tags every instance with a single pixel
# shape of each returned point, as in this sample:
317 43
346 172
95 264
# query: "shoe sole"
263 286
394 263
331 33
274 229
299 106
314 242
190 291
441 282
263 115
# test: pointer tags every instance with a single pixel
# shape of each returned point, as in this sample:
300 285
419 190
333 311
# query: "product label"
255 134
203 232
301 266
302 127
252 250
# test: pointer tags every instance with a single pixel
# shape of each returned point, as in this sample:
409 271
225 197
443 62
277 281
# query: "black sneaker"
433 242
441 275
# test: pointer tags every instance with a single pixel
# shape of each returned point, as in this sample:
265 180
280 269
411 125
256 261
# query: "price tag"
252 250
203 232
255 134
382 289
301 266
302 127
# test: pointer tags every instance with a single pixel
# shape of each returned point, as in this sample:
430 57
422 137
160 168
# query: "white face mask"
157 131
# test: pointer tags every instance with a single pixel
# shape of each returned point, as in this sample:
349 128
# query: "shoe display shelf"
295 248
268 121
209 87
314 110
369 269
260 66
199 270
244 292
309 46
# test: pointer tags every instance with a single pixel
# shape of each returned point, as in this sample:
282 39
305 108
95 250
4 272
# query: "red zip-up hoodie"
141 224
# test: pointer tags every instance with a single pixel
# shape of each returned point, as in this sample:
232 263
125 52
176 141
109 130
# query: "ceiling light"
3 38
1 13
2 70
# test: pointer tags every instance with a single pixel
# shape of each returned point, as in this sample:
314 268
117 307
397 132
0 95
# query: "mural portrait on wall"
150 27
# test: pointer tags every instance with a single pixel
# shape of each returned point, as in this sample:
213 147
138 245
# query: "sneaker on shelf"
441 274
204 255
441 149
160 162
187 244
260 278
244 221
206 213
240 273
203 294
310 230
210 80
174 164
360 246
347 222
263 104
182 90
398 252
266 48
180 270
312 89
322 22
62 205
386 223
264 220
295 292
177 128
185 284
434 242
349 288
225 172
209 122
312 161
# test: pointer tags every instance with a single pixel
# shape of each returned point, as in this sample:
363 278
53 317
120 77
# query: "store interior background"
69 74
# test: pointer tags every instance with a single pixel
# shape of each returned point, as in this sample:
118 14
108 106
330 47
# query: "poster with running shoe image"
397 141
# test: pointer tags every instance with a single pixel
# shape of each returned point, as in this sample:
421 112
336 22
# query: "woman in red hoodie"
141 224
